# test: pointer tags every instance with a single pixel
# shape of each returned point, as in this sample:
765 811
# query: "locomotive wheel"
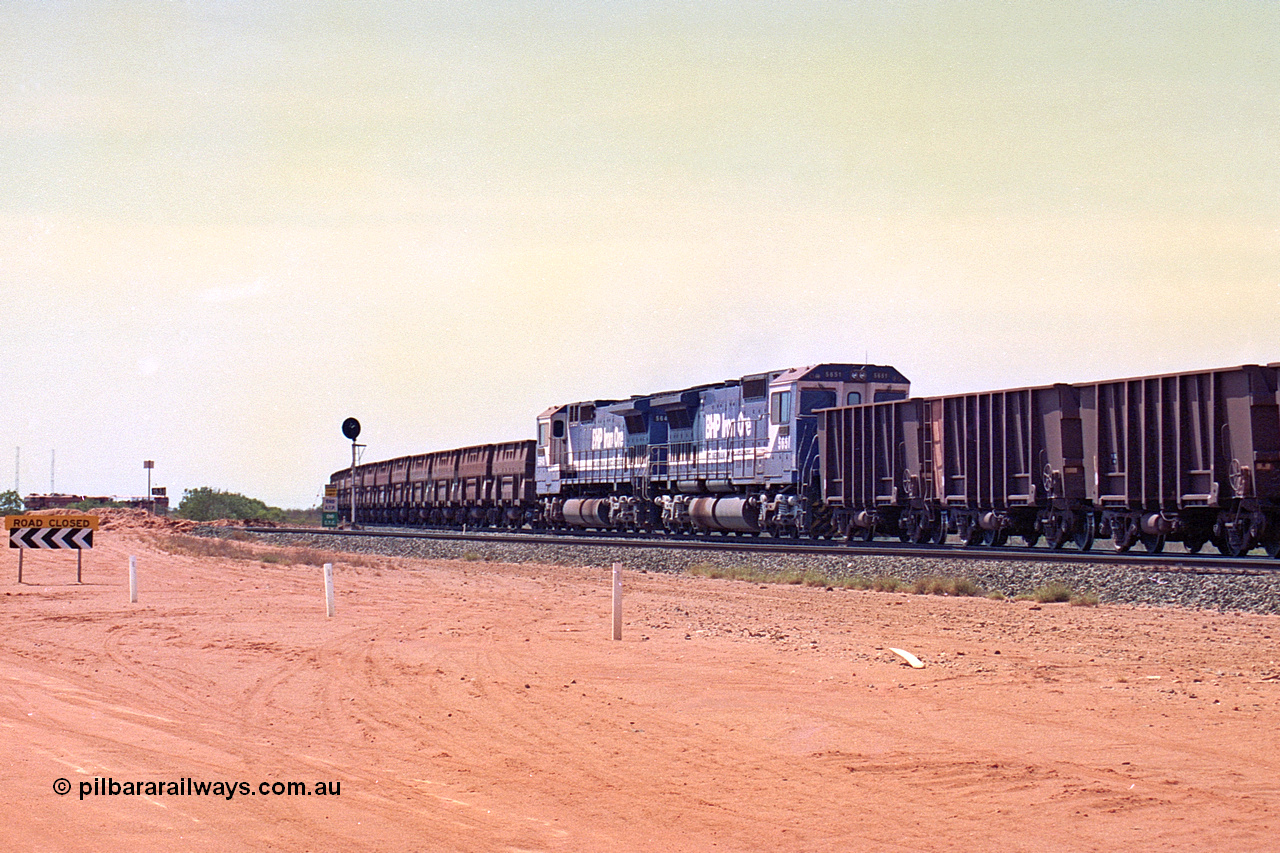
1273 547
1153 542
1194 542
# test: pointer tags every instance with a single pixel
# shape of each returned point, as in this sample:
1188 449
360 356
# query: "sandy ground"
464 706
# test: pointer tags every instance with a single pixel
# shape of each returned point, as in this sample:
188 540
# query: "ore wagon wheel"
939 536
1153 542
1083 534
1057 530
1239 535
1031 538
1239 540
1124 533
971 533
918 527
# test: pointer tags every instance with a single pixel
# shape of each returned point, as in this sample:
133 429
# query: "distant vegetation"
205 504
10 503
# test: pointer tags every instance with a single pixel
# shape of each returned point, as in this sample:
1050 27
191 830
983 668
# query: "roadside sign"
330 505
330 491
51 537
50 523
51 532
329 519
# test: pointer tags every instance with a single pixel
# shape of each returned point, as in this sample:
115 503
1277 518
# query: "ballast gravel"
1110 583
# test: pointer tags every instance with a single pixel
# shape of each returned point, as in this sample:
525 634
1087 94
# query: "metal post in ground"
617 601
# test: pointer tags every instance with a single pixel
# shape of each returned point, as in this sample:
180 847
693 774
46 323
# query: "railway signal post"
351 429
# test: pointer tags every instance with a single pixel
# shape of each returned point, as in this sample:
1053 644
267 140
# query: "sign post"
151 504
51 532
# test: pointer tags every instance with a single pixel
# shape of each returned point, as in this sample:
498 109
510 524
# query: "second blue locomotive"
734 456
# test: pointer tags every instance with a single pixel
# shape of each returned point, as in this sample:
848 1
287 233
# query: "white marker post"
617 601
133 580
328 589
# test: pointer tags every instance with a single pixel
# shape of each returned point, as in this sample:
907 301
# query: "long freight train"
841 450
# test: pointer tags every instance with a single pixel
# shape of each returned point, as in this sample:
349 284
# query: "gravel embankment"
1111 584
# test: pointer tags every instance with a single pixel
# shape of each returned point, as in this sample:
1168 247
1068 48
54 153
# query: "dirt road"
465 706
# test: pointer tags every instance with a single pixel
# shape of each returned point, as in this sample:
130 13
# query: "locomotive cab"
795 398
552 448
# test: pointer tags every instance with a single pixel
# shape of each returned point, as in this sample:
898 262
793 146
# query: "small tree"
205 504
11 503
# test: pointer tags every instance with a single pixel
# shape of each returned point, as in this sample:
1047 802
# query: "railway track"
1167 562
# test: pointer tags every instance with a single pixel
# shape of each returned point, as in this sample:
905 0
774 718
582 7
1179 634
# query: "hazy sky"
226 226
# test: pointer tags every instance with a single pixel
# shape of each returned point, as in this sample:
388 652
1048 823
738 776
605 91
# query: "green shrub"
205 504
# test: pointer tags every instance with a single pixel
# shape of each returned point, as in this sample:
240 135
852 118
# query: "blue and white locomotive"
735 456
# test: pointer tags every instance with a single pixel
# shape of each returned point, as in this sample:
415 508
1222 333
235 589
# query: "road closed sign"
51 531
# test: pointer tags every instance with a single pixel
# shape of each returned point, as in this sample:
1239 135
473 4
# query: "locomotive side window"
557 429
542 433
780 408
816 398
854 398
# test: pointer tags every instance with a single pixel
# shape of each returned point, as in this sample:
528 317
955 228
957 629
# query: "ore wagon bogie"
840 450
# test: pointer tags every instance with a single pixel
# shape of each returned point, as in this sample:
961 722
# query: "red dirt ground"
465 706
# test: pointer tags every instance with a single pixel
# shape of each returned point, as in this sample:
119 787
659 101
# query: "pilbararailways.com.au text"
188 787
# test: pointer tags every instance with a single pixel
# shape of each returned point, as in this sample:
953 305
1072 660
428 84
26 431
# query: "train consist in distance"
841 450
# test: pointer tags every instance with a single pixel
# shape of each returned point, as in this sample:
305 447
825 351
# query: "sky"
227 226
